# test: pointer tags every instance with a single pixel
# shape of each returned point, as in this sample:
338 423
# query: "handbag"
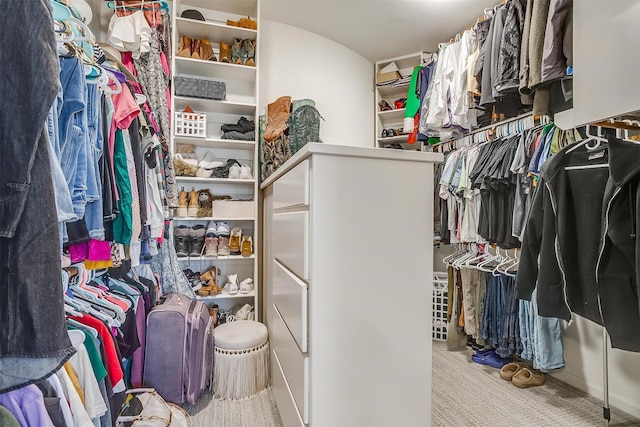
144 407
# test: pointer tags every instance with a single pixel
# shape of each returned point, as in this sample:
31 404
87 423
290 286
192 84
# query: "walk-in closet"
312 213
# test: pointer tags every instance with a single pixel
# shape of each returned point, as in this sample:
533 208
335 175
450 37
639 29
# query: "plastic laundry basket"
440 303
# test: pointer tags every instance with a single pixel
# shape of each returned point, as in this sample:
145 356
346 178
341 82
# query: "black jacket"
583 227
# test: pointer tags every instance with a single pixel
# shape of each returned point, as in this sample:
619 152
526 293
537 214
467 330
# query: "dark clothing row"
582 228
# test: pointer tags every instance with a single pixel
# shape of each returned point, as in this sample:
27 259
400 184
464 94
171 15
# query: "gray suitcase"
179 349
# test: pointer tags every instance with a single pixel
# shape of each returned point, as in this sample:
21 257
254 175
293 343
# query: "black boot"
197 240
182 240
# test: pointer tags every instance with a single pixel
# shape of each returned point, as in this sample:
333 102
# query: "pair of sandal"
210 277
388 133
397 104
521 375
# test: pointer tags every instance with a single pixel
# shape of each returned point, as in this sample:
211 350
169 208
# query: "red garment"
112 363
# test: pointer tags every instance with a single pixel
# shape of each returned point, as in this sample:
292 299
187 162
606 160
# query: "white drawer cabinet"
290 298
291 241
348 240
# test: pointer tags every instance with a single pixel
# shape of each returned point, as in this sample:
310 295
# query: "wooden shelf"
393 139
389 90
215 180
237 7
216 143
217 258
214 69
212 106
227 296
184 218
392 115
213 31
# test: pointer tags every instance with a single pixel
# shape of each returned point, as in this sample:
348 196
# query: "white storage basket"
440 303
191 124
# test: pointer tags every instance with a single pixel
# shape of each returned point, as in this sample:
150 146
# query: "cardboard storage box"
234 209
386 77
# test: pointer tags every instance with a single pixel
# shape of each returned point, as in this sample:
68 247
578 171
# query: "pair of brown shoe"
197 49
243 23
521 375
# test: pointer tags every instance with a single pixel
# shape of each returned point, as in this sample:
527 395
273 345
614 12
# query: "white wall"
302 64
583 358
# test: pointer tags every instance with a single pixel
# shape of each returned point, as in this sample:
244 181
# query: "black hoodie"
583 227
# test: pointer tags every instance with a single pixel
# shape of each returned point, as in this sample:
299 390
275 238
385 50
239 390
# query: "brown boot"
182 204
278 113
237 51
249 49
193 202
185 47
206 51
225 52
195 49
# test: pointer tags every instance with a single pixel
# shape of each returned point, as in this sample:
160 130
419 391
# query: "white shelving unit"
393 119
241 101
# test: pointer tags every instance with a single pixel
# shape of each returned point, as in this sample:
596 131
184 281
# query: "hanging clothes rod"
491 127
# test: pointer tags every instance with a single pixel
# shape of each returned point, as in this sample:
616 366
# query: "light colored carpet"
257 411
469 394
465 394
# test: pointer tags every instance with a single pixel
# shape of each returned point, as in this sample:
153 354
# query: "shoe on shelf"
209 161
247 246
234 171
510 369
206 50
182 209
185 47
234 240
243 312
245 172
193 279
384 105
243 23
193 203
197 240
237 52
225 52
195 49
223 171
204 173
527 377
182 240
223 239
246 286
211 240
249 51
233 288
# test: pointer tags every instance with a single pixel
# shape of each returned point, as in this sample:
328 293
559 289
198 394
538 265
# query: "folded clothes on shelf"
248 136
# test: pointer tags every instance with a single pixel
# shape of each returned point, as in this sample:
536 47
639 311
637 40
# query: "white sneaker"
245 172
243 312
233 284
234 171
246 286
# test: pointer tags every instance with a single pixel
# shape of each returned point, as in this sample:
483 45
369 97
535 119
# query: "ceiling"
379 29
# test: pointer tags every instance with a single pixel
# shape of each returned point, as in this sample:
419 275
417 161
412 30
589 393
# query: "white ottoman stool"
241 359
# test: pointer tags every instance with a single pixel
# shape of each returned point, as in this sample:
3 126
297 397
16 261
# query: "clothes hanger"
139 6
590 138
446 259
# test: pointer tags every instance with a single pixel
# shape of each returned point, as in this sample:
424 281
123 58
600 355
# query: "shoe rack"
393 119
241 101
